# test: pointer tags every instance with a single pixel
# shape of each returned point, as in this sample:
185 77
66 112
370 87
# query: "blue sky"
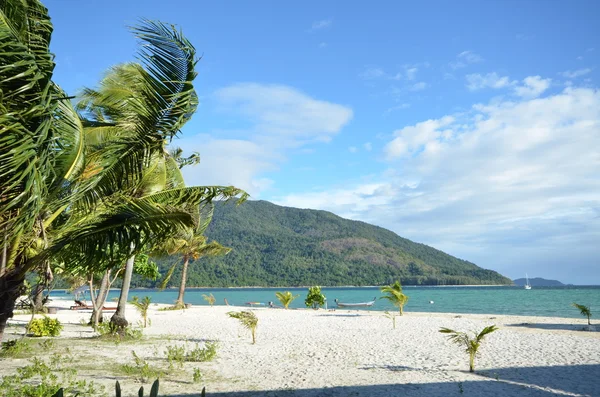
470 126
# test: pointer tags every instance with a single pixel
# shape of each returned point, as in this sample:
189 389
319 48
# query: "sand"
345 353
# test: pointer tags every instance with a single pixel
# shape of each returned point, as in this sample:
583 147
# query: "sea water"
539 301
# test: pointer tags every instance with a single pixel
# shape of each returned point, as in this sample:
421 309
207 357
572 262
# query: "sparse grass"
109 332
141 370
197 375
15 348
177 355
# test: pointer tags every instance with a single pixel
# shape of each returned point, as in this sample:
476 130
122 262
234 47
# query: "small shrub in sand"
45 326
209 298
584 310
391 316
109 331
141 370
285 298
314 298
471 344
248 320
178 354
394 294
142 306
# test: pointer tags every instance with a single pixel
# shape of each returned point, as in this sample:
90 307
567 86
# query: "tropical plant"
192 245
248 320
395 295
209 298
471 344
285 298
585 311
142 307
45 326
314 298
391 316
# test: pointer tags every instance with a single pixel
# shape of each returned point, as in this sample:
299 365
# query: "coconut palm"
248 320
78 202
135 112
585 311
142 307
209 298
471 344
395 296
285 298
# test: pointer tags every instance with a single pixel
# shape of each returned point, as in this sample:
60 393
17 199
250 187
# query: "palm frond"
165 281
247 319
107 239
487 330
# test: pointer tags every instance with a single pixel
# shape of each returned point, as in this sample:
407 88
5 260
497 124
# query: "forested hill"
282 246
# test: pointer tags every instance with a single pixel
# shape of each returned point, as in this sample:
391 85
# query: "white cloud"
352 149
322 24
282 111
477 81
368 146
411 73
280 118
510 186
573 74
533 86
464 59
372 73
420 86
402 106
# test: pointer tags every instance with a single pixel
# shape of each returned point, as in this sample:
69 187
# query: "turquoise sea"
539 301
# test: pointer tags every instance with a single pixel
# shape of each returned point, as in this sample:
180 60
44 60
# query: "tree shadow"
340 315
577 379
554 327
434 389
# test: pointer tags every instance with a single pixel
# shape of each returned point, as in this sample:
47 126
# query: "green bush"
45 326
315 298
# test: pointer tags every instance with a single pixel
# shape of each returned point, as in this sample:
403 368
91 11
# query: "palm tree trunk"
4 252
118 319
472 362
179 301
11 284
100 300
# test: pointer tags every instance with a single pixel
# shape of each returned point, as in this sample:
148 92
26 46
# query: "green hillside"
282 246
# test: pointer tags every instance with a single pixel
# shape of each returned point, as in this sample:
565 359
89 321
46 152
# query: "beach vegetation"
197 375
470 343
141 370
192 245
142 306
393 293
42 378
314 298
391 316
45 326
248 320
15 348
285 298
96 187
178 354
584 310
209 298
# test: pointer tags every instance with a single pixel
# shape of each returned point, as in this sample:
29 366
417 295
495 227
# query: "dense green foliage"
45 326
282 246
314 298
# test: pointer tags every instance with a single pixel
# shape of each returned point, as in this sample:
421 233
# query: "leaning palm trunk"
179 303
118 319
100 299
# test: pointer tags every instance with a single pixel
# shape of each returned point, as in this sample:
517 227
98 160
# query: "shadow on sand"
554 327
506 382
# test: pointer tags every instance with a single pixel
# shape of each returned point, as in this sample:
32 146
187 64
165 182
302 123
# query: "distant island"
283 246
538 282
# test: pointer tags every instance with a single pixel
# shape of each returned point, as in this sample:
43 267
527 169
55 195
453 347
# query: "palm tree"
585 311
49 183
142 307
285 298
471 344
248 320
137 110
209 298
191 244
395 295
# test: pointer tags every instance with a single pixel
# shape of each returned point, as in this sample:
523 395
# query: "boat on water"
527 285
361 304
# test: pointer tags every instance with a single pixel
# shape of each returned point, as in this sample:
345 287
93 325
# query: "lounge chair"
81 305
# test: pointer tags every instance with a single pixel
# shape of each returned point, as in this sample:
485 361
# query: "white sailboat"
527 285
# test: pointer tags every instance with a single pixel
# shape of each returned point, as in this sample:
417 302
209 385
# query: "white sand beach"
344 353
